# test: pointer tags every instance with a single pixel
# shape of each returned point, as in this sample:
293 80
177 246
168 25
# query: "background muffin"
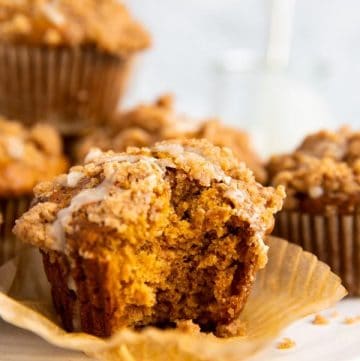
65 62
148 123
321 211
27 156
152 236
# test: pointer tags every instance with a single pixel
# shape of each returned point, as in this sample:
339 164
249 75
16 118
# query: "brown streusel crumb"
187 326
28 156
323 172
147 124
285 344
103 24
320 320
152 236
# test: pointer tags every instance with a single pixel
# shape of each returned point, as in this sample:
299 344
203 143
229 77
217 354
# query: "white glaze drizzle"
84 197
99 193
181 153
73 178
93 154
53 14
91 195
15 147
235 195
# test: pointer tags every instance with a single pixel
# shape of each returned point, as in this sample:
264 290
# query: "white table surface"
333 342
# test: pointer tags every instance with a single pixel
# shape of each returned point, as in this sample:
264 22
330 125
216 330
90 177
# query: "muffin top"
149 123
28 156
323 173
105 24
130 197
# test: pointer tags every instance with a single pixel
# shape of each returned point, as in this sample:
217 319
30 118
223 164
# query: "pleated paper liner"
334 238
72 88
11 209
293 285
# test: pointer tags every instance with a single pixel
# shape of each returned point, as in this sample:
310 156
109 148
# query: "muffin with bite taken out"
152 236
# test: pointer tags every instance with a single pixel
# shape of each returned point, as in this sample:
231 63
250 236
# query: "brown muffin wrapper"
72 88
84 304
83 298
11 209
334 238
293 285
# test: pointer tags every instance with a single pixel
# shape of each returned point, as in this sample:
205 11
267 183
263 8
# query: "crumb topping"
182 225
28 156
148 124
96 184
323 171
104 24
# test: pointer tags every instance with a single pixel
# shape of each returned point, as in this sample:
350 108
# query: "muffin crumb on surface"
352 320
319 320
286 344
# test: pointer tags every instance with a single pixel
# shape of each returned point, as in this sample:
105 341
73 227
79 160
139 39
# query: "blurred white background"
191 39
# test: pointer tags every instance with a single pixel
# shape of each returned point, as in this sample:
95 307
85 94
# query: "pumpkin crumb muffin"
321 211
152 236
27 156
68 60
147 124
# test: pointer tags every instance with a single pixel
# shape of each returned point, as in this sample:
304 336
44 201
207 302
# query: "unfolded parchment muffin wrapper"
293 285
71 88
10 210
334 238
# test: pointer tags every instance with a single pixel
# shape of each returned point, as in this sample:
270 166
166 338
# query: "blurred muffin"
27 156
152 237
148 123
321 211
65 62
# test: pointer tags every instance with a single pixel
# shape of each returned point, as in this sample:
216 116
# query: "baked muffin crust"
168 233
28 156
322 173
105 24
147 124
